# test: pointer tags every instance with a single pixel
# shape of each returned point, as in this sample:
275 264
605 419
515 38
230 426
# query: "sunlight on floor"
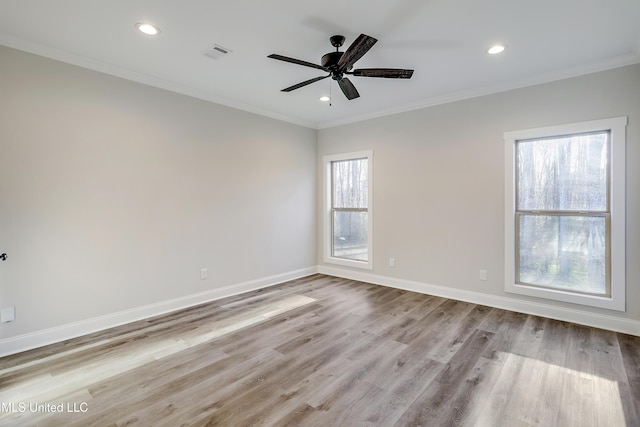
548 394
51 387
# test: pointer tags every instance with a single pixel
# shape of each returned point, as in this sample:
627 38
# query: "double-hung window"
348 215
565 213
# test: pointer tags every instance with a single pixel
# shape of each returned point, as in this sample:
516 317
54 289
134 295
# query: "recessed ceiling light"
148 29
496 49
324 98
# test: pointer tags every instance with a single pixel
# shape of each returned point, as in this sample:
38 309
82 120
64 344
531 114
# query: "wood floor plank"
629 404
203 392
348 409
323 351
441 316
507 327
630 350
293 418
402 386
458 333
475 399
433 407
605 356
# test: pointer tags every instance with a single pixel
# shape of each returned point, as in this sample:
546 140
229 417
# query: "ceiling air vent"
216 51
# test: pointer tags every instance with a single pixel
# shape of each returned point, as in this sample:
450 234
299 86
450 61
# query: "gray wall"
438 179
113 194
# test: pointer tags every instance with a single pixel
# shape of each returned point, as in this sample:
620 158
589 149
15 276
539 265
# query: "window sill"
611 303
365 265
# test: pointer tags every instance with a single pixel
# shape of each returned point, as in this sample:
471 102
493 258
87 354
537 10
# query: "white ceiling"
443 40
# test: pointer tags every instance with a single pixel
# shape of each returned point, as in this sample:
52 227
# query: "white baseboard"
581 317
44 337
48 336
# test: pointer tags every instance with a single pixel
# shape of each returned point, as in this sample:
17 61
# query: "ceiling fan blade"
348 88
308 82
295 61
358 48
387 73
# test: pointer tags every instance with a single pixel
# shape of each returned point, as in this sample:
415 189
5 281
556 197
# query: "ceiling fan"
339 64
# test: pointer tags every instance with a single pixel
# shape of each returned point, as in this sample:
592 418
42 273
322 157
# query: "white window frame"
617 128
327 191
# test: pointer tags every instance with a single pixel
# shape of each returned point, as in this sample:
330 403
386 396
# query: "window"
348 216
565 213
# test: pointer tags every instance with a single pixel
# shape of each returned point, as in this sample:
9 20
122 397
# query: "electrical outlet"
7 315
204 273
392 262
483 275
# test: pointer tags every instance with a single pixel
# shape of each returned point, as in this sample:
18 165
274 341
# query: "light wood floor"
322 351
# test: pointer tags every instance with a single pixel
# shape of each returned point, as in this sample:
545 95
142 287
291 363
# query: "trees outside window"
348 231
565 218
562 212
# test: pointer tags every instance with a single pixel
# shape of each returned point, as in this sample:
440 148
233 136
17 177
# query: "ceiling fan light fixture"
148 29
325 98
496 49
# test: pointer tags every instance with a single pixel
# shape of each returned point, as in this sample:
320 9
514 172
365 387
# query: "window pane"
350 183
350 235
563 173
564 252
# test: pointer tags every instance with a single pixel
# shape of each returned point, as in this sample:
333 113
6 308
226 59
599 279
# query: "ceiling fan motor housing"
330 60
